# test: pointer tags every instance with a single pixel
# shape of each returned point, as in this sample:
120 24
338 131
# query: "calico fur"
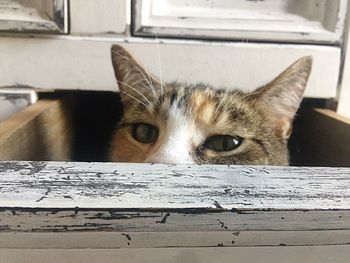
186 115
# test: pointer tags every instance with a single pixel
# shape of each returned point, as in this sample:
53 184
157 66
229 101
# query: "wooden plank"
131 185
304 254
324 138
39 132
120 239
57 196
21 219
85 62
153 219
46 205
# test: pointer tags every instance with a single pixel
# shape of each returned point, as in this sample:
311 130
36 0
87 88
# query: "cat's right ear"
134 82
281 98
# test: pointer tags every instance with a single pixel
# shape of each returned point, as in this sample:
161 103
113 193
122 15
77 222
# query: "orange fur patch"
202 106
125 150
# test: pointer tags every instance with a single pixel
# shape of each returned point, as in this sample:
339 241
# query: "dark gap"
298 148
94 118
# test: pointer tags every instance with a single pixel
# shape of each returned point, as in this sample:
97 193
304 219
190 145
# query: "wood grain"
307 254
122 197
39 132
167 220
132 239
131 185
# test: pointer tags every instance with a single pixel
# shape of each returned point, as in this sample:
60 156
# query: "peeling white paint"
126 185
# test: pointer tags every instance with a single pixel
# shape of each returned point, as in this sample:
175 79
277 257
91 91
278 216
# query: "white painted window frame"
104 18
343 95
205 20
43 16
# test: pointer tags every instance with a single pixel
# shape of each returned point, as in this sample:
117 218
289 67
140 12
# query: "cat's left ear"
134 82
280 99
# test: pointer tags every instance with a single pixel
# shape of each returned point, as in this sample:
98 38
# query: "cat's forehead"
203 108
216 110
207 105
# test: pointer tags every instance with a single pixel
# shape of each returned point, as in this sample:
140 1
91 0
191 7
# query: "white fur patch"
180 135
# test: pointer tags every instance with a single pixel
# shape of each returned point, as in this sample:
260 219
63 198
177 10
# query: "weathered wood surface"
167 220
309 254
117 240
41 131
64 205
123 185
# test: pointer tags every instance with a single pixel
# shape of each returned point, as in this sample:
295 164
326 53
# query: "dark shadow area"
297 148
320 137
94 116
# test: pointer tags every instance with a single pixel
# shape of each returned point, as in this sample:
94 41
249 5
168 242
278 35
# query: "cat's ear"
280 99
134 82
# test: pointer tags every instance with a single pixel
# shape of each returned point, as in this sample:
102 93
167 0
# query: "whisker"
257 93
148 80
251 94
134 89
160 65
147 106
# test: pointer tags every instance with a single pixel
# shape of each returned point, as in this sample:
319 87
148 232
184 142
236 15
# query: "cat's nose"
171 156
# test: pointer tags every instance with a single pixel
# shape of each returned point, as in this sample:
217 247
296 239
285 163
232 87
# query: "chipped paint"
65 196
122 185
119 205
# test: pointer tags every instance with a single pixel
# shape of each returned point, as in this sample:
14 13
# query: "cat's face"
175 123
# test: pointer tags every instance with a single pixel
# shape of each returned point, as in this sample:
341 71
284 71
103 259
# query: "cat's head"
178 123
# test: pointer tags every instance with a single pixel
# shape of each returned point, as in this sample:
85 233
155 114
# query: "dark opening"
94 116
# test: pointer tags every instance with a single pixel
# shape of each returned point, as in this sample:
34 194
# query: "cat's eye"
223 143
144 133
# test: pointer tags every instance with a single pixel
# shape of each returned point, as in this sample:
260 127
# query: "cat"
180 123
